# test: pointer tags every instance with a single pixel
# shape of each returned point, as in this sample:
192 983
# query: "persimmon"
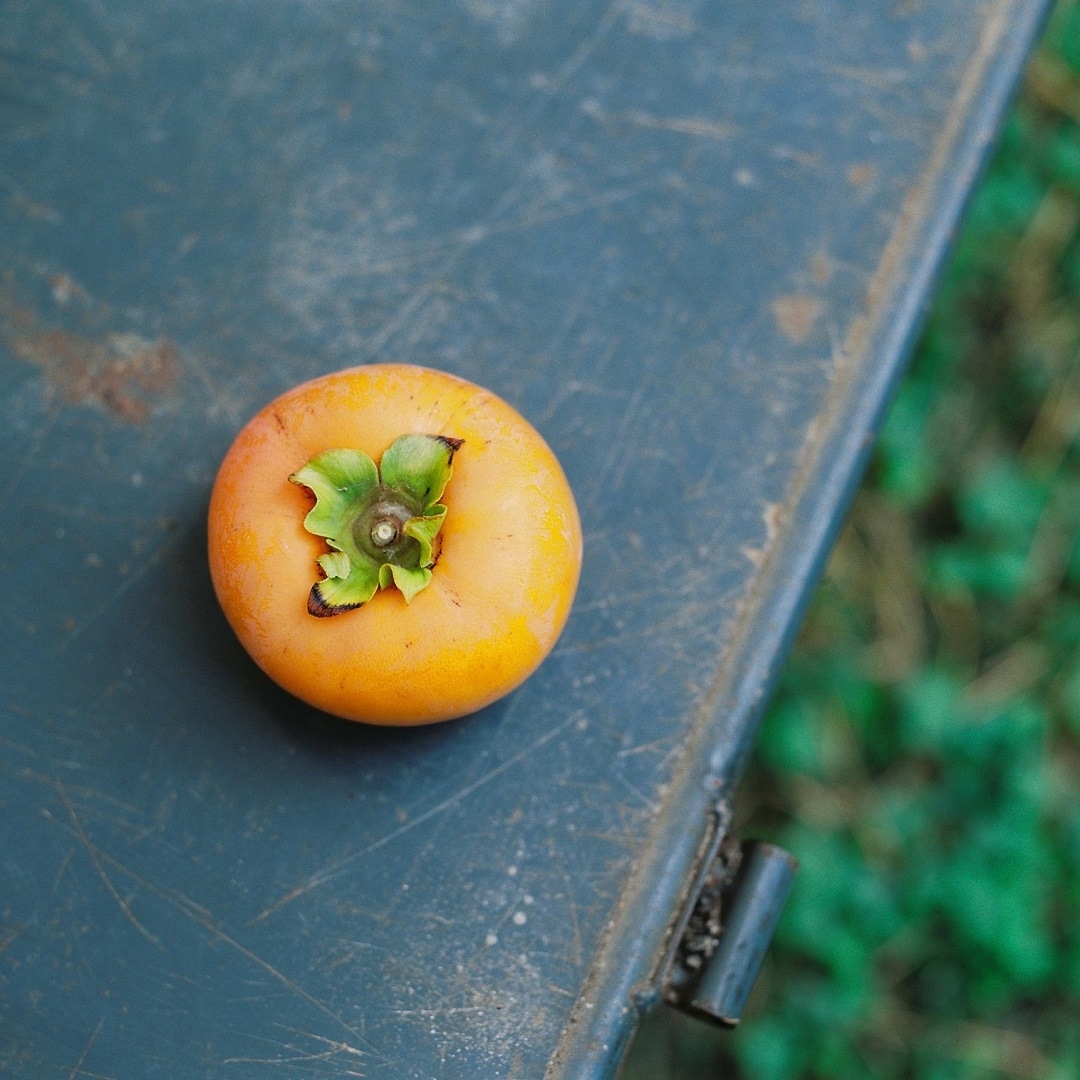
393 544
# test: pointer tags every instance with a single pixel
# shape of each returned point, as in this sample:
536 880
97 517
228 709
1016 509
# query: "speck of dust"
491 939
520 918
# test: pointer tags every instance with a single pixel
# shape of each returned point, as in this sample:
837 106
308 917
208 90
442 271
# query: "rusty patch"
821 269
65 289
796 315
755 555
917 51
773 515
36 211
861 174
123 373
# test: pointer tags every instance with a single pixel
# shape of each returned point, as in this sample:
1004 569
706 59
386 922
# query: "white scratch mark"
199 915
619 443
133 578
296 1056
442 1011
874 78
661 23
401 317
578 942
95 859
585 49
457 243
65 862
773 516
656 745
76 1069
15 475
699 127
338 868
196 914
508 20
569 389
640 795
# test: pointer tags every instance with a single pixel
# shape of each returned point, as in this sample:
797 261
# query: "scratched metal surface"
688 240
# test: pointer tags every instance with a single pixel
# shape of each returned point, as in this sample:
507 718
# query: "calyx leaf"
381 529
419 466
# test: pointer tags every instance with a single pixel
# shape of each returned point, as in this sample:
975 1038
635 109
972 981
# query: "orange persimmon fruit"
393 544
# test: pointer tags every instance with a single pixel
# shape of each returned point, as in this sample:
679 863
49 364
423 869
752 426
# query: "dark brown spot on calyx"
318 607
454 444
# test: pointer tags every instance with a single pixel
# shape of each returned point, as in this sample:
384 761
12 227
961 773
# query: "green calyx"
380 523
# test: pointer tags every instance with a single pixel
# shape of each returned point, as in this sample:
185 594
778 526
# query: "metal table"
689 241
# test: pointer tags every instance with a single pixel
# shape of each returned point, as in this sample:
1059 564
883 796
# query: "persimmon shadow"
212 648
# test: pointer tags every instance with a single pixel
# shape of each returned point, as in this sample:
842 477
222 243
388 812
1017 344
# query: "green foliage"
934 927
921 757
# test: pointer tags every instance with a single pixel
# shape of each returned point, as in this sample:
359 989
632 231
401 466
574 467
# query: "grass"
922 754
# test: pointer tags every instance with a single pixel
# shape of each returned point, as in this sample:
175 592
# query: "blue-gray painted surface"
689 241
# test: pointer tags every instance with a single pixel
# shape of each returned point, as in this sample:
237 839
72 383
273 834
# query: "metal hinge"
728 929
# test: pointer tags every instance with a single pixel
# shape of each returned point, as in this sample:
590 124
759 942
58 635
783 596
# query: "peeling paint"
124 373
861 174
821 269
796 315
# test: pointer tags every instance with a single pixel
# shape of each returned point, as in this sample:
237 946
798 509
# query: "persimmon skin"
509 553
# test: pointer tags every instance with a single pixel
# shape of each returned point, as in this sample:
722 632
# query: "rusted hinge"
728 930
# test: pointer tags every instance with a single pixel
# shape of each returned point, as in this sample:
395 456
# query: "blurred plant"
922 754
